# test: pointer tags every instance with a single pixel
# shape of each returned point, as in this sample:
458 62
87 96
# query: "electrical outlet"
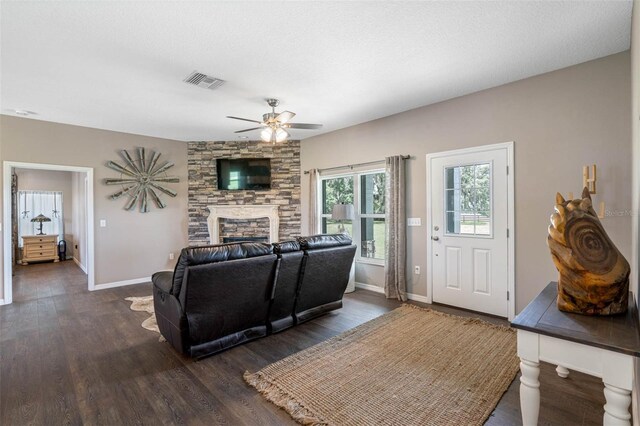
416 270
103 223
171 256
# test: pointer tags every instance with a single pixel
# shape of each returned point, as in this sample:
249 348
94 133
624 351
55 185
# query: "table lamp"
342 212
40 219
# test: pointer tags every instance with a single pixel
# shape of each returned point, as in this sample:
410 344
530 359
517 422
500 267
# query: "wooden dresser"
37 248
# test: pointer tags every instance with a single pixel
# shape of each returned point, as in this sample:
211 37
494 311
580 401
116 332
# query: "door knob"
435 238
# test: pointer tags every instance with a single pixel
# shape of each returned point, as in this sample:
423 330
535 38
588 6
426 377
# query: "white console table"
604 347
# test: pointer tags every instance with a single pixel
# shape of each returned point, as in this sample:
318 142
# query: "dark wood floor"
68 356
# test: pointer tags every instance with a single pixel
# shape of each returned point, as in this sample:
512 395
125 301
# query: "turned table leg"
562 371
616 410
529 392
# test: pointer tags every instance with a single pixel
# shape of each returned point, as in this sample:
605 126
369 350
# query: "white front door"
469 229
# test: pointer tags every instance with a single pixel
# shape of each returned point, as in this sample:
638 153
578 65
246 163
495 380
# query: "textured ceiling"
120 65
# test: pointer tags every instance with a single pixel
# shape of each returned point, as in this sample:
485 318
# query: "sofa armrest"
163 280
170 317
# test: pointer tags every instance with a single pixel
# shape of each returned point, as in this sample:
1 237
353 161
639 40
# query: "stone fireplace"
242 212
204 192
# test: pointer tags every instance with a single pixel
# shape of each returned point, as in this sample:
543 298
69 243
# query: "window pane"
483 202
452 199
331 226
468 199
453 222
373 237
483 224
452 177
483 175
372 193
336 191
467 176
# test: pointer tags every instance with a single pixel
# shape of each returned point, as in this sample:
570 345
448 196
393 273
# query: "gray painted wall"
133 245
559 122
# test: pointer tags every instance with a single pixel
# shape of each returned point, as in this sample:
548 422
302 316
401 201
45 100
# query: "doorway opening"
470 229
37 208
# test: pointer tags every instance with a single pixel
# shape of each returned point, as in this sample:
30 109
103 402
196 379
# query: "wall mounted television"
244 173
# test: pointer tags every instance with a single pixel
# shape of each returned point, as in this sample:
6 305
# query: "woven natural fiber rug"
411 366
145 304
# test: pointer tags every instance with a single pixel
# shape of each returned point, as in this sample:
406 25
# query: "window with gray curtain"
366 191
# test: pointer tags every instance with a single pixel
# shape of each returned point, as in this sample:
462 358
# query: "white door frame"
7 168
511 274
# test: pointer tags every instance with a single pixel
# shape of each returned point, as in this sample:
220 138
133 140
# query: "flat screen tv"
244 174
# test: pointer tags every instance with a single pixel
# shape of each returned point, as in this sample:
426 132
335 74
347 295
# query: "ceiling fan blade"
244 119
285 116
247 130
303 126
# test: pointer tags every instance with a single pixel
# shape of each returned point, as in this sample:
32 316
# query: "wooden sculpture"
594 276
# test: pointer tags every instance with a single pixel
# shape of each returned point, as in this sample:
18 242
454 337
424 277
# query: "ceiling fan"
274 124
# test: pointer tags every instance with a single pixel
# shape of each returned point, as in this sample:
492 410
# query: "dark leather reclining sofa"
220 296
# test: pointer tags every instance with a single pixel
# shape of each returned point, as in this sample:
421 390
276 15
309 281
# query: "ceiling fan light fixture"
266 134
281 135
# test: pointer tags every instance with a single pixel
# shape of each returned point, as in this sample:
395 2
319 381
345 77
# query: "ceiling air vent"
203 80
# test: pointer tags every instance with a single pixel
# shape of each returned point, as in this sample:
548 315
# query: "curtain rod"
351 166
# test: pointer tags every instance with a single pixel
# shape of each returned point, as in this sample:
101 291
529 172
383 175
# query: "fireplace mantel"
245 211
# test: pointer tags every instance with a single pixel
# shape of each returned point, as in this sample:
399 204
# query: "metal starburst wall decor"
141 179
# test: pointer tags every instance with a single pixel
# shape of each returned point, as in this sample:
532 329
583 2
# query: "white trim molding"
378 289
122 283
511 262
244 211
80 265
8 167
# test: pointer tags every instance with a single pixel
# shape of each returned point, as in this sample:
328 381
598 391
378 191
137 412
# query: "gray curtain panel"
395 266
313 201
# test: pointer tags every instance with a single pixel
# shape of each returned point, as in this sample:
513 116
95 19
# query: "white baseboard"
2 302
122 283
377 289
80 265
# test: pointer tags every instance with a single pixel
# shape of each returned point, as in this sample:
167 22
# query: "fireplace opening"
245 239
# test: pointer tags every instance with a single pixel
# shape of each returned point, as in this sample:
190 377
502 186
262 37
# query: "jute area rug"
411 366
145 304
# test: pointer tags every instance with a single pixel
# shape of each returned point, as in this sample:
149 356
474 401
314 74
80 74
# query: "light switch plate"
103 223
414 221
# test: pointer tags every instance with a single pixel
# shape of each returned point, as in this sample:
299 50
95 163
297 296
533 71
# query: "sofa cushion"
324 241
191 256
286 247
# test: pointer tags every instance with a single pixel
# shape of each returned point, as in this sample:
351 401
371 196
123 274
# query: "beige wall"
133 245
51 180
559 122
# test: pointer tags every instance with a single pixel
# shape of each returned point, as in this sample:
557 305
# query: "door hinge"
507 295
507 232
507 169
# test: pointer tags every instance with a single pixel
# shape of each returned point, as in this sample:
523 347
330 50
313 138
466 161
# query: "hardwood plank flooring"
69 356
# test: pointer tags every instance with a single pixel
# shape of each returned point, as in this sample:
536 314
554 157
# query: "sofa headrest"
286 247
324 241
191 256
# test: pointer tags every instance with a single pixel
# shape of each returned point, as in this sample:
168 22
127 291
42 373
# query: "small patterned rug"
411 366
145 304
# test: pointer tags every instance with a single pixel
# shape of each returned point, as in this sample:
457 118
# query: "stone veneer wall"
203 188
